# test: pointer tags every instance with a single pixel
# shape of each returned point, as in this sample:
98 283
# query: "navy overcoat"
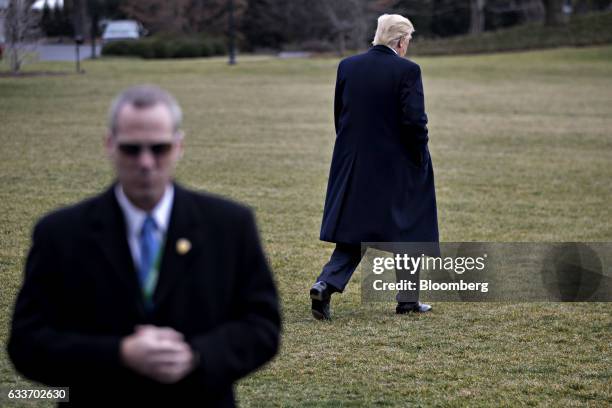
381 182
81 296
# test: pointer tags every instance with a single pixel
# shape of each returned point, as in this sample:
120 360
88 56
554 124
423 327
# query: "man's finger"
170 373
168 333
164 360
143 328
164 346
177 356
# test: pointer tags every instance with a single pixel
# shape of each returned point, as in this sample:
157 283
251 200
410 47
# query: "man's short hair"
144 96
391 27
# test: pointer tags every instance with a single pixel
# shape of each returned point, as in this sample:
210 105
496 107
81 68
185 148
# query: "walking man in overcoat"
381 181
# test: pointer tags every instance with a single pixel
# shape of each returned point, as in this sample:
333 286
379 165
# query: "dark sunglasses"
134 149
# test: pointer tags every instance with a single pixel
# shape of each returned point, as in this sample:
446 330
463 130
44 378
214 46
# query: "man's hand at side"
159 353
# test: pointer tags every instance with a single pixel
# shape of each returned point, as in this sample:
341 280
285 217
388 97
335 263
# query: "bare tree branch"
477 16
21 29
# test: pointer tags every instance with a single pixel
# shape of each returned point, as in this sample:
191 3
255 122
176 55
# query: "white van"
122 30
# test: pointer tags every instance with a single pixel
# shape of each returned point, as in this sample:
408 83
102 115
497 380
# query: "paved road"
63 52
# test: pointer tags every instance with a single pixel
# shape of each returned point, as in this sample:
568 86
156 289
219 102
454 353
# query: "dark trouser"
343 262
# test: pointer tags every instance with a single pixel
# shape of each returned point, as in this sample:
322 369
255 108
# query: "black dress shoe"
321 309
321 291
320 294
414 307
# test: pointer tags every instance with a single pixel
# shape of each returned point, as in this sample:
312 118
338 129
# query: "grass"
522 149
580 30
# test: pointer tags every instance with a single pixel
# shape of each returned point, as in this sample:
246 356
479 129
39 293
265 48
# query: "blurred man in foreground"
148 292
381 182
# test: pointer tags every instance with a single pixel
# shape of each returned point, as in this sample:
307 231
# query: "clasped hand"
160 353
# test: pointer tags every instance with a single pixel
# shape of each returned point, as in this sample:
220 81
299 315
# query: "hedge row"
166 48
591 29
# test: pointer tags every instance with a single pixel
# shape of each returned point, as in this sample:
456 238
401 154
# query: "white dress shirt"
134 218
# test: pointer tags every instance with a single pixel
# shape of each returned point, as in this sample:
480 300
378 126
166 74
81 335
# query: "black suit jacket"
81 296
381 181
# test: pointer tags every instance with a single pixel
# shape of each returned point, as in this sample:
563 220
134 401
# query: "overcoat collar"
383 48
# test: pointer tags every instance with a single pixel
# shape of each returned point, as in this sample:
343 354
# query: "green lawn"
522 149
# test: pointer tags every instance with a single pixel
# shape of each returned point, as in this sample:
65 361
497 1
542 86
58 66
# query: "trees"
477 16
450 17
159 15
56 21
183 16
264 25
552 11
348 21
326 25
21 28
316 24
46 19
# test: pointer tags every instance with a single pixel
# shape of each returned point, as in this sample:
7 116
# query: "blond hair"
391 28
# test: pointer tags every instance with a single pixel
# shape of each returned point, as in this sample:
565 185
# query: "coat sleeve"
38 347
412 99
251 337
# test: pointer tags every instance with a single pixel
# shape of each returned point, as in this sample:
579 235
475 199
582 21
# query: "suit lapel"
181 244
109 233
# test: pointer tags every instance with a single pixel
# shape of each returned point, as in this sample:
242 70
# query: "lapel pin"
183 246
